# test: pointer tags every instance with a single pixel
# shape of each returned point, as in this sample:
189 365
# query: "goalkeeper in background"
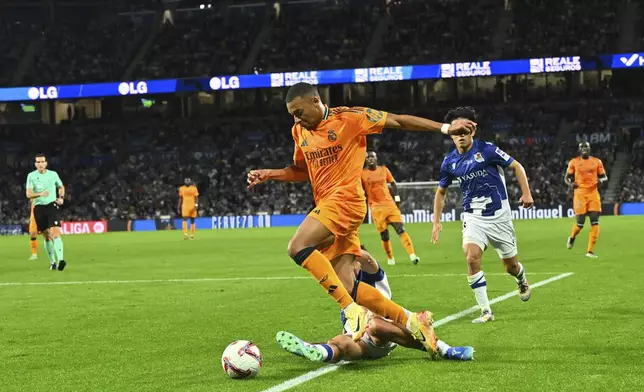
384 208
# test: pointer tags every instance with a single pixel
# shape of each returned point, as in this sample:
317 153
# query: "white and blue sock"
326 350
478 285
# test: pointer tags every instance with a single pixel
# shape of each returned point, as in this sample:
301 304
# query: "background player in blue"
478 167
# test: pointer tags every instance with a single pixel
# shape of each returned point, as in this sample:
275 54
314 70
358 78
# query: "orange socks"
322 270
406 242
34 246
575 230
386 245
372 299
184 226
192 228
592 238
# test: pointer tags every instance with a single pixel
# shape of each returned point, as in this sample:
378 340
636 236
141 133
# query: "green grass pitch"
580 333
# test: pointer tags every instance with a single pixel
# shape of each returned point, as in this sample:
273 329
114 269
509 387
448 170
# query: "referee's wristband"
445 128
397 198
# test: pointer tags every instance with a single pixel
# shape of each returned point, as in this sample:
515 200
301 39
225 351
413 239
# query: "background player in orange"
584 175
188 203
330 149
33 233
384 208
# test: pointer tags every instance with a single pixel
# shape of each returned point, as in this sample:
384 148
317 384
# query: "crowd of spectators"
133 169
88 46
202 43
633 184
542 28
318 36
89 43
424 32
16 29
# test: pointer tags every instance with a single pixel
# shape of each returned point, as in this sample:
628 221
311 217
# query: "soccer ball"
241 359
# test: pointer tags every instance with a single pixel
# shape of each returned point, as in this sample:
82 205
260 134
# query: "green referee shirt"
39 182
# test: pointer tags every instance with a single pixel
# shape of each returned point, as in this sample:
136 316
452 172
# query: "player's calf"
515 268
406 242
386 246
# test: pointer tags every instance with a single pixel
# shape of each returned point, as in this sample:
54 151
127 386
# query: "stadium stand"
87 46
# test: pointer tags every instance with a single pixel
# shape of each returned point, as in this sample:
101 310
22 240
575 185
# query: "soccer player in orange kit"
188 203
584 175
330 149
384 209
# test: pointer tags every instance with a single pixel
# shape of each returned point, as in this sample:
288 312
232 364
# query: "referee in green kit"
42 185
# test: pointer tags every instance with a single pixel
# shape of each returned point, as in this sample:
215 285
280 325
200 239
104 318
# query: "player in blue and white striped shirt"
381 337
479 169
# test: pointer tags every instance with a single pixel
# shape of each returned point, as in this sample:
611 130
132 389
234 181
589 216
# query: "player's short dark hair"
301 90
371 152
40 155
466 112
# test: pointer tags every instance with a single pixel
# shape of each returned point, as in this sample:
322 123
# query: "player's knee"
298 252
594 218
33 236
399 228
384 235
581 219
473 257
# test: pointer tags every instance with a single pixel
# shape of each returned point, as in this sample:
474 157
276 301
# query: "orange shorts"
343 219
189 212
33 228
586 202
384 215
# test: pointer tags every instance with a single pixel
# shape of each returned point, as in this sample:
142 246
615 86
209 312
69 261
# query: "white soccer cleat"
485 316
414 259
391 261
591 255
524 291
33 257
570 243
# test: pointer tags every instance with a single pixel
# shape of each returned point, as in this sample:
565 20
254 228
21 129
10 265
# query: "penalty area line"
201 280
288 384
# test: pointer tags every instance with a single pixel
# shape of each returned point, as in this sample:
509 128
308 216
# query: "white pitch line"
198 280
288 384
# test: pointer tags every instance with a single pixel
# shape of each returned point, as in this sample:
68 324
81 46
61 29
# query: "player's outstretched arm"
293 173
439 204
414 123
526 198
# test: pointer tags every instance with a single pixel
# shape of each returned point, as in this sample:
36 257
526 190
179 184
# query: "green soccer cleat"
297 346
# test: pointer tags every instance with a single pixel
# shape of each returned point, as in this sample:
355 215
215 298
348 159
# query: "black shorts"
47 216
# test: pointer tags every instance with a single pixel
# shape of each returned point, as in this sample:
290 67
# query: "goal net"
417 201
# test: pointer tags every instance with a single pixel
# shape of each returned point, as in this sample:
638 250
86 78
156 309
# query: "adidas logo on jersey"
304 143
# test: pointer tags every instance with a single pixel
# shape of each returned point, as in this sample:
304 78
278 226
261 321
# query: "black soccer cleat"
570 243
61 265
53 266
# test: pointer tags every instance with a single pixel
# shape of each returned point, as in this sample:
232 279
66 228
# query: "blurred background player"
188 204
382 335
384 209
584 175
42 185
33 232
329 151
478 166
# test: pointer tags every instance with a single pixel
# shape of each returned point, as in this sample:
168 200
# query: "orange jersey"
375 183
335 151
586 172
189 196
